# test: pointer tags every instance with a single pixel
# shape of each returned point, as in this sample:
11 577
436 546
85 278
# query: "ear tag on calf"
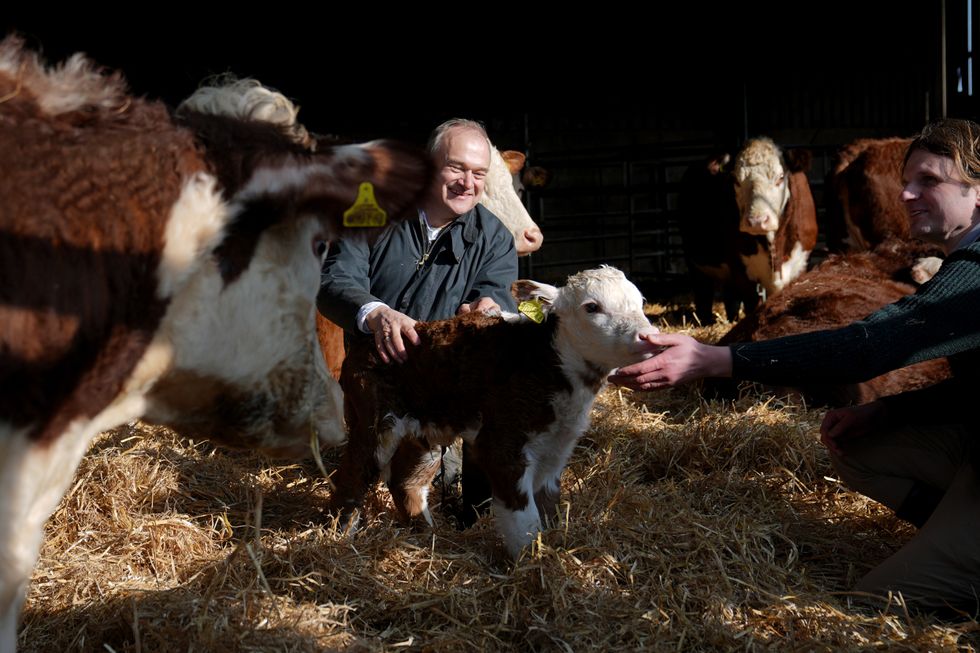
365 211
532 309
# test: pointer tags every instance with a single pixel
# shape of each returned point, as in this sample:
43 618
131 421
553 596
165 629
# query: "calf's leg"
546 498
412 469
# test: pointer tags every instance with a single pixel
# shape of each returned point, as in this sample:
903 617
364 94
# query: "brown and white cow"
709 226
501 196
160 267
842 290
522 413
778 220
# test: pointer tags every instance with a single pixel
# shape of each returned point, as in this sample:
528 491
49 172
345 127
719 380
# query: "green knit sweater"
941 319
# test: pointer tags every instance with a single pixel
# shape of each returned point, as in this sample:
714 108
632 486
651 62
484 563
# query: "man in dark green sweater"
912 452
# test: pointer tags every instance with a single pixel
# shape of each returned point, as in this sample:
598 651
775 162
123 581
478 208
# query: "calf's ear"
525 290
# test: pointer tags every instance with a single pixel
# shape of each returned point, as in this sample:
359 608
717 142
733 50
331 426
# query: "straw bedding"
689 525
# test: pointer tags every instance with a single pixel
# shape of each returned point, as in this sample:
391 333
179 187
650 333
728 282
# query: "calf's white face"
600 316
761 187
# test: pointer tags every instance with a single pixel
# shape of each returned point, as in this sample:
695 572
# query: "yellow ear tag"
365 211
532 309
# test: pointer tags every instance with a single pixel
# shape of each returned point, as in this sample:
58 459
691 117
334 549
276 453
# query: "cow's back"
506 365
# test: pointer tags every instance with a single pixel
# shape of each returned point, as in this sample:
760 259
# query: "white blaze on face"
761 186
601 318
503 201
257 334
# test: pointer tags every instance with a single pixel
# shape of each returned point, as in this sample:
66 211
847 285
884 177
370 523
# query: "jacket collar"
463 231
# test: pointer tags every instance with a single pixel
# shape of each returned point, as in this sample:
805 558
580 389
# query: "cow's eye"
319 247
591 307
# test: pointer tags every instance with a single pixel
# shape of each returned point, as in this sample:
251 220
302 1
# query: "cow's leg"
359 468
411 471
476 488
33 479
703 287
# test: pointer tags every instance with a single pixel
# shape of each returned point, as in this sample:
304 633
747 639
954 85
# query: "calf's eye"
591 307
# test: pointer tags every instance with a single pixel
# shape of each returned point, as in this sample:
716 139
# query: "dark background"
615 103
700 68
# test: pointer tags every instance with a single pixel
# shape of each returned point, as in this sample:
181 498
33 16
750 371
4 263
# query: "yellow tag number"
365 211
532 309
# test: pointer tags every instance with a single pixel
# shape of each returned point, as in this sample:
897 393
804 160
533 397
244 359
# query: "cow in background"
841 290
747 230
709 222
501 196
777 217
161 267
867 183
865 207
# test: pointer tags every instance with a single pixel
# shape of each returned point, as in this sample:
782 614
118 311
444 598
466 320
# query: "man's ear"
525 290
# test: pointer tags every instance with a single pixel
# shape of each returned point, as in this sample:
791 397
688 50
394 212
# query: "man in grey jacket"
454 258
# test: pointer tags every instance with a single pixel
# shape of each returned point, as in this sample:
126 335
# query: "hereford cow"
778 221
522 413
500 195
842 290
161 267
709 225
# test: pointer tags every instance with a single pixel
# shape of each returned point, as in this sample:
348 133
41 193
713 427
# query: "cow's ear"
525 290
514 160
798 159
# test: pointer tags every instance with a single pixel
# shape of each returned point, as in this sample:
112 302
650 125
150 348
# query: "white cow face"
248 371
503 201
600 316
761 186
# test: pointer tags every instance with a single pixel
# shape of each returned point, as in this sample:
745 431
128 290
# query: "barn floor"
690 525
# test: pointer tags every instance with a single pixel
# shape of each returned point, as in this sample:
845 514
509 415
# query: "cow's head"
247 369
761 186
501 197
600 315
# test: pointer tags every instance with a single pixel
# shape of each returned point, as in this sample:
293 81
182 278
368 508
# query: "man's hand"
679 359
391 329
484 304
842 424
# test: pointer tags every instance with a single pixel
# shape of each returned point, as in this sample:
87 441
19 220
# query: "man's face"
940 204
464 160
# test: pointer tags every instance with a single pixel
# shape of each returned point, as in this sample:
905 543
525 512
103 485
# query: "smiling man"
918 452
456 257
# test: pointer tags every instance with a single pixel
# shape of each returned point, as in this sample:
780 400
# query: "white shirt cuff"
362 314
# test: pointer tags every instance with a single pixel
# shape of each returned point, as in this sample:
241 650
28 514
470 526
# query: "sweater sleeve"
941 319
